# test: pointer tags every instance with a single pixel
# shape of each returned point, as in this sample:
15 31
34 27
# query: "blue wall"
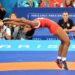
8 5
52 13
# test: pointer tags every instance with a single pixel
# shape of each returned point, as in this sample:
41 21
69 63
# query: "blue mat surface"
29 56
38 72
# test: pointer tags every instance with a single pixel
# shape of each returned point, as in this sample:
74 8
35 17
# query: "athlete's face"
0 5
27 28
30 1
65 16
48 0
42 0
13 16
68 2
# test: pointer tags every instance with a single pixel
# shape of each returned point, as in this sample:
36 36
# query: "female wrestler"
56 30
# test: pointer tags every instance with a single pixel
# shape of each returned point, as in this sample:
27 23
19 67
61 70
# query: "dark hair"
12 13
31 32
66 12
70 2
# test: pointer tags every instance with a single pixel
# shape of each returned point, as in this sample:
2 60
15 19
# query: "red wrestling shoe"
59 63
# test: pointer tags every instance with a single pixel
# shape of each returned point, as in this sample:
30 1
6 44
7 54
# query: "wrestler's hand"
66 30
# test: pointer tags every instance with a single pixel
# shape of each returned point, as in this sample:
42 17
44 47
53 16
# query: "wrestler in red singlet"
47 23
